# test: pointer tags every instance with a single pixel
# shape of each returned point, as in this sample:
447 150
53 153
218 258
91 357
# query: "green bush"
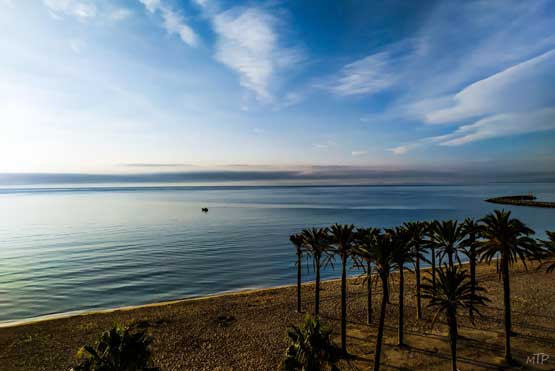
117 350
311 348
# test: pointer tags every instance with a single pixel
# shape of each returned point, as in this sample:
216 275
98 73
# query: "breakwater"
521 200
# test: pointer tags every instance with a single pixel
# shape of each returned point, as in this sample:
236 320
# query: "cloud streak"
517 100
82 10
173 21
368 75
523 87
248 42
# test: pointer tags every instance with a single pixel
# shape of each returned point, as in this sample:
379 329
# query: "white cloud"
201 3
76 45
80 9
501 125
248 43
174 24
120 14
495 126
515 101
525 86
325 145
401 150
151 5
173 21
359 153
365 76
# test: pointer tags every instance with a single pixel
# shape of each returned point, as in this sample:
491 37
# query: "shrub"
311 348
117 350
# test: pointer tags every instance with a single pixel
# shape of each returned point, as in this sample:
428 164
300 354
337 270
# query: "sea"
78 249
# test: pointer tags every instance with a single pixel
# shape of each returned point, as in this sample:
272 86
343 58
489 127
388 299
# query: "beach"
247 330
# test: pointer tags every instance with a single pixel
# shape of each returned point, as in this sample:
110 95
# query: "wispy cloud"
495 126
156 165
173 21
514 101
75 8
501 125
368 75
77 45
249 43
525 86
359 153
325 145
120 14
151 5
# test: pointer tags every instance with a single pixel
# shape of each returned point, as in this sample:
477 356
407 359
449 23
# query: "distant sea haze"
81 249
252 175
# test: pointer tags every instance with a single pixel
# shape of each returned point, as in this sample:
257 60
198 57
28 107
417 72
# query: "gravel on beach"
247 331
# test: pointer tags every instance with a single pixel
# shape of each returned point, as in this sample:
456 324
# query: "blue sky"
112 86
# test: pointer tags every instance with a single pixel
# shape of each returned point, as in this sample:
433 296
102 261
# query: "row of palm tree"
441 244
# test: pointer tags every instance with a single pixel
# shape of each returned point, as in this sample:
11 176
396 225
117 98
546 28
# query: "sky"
168 86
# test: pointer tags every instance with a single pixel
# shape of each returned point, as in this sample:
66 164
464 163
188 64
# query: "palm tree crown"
549 251
448 237
506 237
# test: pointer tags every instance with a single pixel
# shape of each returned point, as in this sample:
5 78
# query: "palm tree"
298 241
549 252
317 243
471 229
402 255
416 232
448 237
508 239
341 237
382 251
364 239
453 291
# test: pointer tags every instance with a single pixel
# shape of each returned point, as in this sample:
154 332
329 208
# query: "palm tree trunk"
317 296
401 305
450 258
452 323
344 304
299 273
369 304
433 268
472 276
418 300
379 339
507 302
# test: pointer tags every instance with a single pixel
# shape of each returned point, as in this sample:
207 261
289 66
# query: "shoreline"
89 312
222 294
126 308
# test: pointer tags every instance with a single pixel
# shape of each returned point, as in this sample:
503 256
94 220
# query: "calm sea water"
84 249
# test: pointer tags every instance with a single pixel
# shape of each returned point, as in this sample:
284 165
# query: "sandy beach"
247 330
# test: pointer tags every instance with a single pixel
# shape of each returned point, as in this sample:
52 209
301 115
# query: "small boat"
204 209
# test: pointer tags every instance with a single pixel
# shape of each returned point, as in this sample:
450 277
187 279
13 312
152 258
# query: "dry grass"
247 331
